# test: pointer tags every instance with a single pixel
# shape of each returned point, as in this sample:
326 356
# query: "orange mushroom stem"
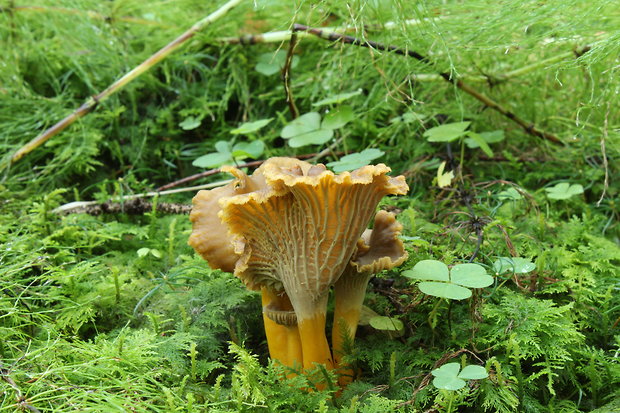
379 249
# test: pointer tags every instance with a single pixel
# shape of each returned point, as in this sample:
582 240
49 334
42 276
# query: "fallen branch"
87 13
285 35
286 77
127 203
530 128
92 103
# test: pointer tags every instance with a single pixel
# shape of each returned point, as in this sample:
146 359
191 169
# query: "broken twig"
530 128
92 103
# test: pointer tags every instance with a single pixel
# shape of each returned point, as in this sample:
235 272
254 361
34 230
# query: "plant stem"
528 127
92 102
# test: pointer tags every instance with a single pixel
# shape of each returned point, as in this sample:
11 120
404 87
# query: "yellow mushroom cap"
380 248
209 236
301 231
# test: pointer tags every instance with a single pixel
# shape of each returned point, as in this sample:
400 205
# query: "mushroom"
301 233
379 249
211 240
292 229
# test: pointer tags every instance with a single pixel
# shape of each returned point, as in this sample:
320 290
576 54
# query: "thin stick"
84 204
530 128
496 79
604 137
286 77
91 14
285 35
92 103
216 171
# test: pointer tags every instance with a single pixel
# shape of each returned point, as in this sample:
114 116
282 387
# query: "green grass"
88 324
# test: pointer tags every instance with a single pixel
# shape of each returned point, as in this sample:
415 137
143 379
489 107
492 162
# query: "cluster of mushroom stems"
294 231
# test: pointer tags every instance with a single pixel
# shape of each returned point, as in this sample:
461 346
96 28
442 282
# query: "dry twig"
530 128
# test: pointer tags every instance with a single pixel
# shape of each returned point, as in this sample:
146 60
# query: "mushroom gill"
300 232
379 249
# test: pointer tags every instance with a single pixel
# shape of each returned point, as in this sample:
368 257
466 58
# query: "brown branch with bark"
529 128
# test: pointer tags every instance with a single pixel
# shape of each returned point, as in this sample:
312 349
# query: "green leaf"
480 142
248 149
447 132
564 191
271 63
307 122
250 127
212 160
317 137
444 290
155 253
473 372
510 194
446 377
190 123
341 97
222 146
386 323
143 252
513 265
338 118
431 270
355 160
470 275
488 137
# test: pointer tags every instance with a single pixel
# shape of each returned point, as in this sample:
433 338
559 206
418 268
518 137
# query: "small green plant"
454 284
449 132
309 129
355 160
563 191
451 377
226 153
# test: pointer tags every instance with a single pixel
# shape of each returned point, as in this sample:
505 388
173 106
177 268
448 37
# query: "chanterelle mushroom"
379 249
298 232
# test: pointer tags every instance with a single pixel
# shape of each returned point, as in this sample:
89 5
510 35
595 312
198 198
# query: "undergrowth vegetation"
115 312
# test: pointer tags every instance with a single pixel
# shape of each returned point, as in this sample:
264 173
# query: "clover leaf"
355 160
454 284
563 191
227 153
451 377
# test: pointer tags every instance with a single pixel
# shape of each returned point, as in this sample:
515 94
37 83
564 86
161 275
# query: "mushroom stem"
283 340
349 292
315 348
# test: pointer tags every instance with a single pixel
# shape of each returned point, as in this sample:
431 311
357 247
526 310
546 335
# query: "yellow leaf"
444 179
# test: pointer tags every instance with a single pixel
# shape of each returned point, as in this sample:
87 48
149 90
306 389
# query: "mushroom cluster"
294 230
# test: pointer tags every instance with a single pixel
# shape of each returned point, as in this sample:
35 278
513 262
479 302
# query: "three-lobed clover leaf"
563 191
228 153
454 284
355 160
308 129
513 265
451 377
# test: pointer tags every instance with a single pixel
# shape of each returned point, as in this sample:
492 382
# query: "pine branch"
92 103
530 128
